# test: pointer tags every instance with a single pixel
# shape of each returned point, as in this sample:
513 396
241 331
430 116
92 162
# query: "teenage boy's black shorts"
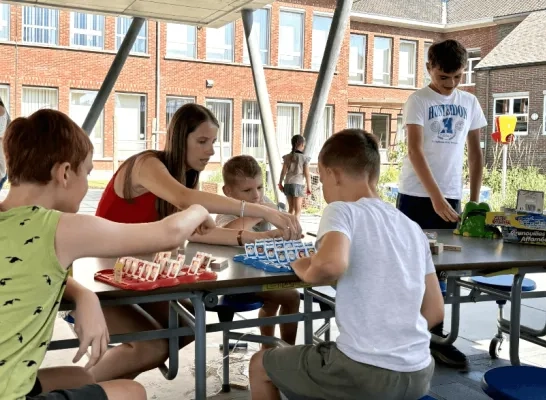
421 211
89 392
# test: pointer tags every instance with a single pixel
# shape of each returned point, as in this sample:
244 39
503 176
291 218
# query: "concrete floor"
477 327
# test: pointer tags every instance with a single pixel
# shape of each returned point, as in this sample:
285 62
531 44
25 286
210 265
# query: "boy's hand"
207 226
444 209
91 328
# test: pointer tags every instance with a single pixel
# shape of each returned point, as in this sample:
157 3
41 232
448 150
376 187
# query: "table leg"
515 318
308 322
200 347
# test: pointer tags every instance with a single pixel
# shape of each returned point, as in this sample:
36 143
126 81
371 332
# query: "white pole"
221 130
504 161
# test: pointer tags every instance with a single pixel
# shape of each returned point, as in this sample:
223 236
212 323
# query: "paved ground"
478 326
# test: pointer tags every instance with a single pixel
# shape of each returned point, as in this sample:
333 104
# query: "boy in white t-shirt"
387 292
439 120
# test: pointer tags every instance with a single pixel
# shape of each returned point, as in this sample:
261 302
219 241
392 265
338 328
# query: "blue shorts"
294 190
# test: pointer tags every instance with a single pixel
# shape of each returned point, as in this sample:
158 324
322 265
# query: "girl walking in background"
295 174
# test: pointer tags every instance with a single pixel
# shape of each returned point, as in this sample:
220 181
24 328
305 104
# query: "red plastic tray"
127 283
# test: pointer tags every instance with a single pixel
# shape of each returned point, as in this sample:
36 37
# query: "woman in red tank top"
150 186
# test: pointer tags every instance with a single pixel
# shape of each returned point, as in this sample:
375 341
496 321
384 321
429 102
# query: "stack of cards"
275 255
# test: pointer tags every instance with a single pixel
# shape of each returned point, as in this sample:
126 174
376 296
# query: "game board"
274 255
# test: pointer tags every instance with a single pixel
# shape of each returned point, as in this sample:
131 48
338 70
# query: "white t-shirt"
379 297
446 121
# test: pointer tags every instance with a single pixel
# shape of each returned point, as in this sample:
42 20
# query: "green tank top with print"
32 283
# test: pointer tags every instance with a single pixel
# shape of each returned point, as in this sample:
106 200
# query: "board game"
130 273
275 255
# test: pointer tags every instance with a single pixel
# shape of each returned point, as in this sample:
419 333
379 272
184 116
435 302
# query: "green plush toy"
472 223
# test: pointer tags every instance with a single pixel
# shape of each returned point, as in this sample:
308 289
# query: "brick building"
57 58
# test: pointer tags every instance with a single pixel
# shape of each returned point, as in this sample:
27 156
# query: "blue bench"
504 283
515 383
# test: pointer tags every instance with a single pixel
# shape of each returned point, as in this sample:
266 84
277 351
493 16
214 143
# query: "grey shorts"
294 190
323 372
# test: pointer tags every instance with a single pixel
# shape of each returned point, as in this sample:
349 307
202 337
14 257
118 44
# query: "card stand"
202 274
261 264
128 283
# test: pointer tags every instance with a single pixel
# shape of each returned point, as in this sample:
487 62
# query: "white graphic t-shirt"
446 121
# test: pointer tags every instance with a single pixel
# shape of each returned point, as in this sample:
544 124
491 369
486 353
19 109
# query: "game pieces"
438 248
275 255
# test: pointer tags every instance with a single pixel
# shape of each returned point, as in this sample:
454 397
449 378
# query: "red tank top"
113 208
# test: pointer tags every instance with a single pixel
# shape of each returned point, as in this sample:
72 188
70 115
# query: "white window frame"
511 97
285 148
266 60
190 99
194 44
260 138
315 59
469 72
225 46
410 76
389 72
543 114
363 70
49 89
426 75
302 39
94 140
36 28
86 32
140 144
5 100
6 12
229 144
358 115
141 36
321 140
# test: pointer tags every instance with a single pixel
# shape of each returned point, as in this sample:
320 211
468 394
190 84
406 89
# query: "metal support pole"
112 75
326 73
263 100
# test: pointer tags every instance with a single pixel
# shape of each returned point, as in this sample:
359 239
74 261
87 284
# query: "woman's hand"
288 224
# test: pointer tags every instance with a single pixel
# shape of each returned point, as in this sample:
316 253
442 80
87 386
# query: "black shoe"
449 355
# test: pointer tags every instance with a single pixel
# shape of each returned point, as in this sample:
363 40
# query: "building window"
381 128
382 61
321 27
260 30
253 137
174 103
4 21
181 41
426 78
220 43
222 109
326 129
407 63
87 30
4 95
288 125
514 105
130 125
80 104
469 75
141 42
357 59
40 25
355 121
36 98
291 39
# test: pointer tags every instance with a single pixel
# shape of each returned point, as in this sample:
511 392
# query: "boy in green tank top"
49 158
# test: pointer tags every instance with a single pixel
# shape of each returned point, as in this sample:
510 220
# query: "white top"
295 172
263 226
446 121
379 297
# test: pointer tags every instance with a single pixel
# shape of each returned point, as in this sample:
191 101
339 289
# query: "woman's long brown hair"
184 121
